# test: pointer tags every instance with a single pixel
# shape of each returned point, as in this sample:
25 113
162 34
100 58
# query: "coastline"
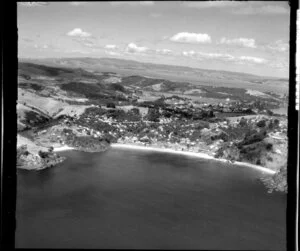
63 148
172 151
193 154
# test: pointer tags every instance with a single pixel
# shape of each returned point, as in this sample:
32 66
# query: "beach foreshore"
193 154
62 148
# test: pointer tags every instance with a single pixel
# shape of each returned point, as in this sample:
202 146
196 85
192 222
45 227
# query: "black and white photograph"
152 125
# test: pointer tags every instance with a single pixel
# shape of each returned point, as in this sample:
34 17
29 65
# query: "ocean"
135 199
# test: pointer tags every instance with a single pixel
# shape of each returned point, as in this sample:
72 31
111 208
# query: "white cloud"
77 32
242 7
84 42
27 40
90 42
211 4
261 9
274 9
203 55
246 42
110 46
45 47
77 51
133 48
155 15
112 50
186 37
141 50
281 65
278 45
78 3
252 60
33 4
113 53
140 3
147 3
224 57
164 51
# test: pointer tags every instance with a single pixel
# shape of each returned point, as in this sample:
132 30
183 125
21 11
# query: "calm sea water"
135 199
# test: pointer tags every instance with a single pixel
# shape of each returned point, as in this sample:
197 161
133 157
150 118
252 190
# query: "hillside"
89 109
170 72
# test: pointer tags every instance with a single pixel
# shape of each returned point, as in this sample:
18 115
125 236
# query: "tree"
276 122
243 122
153 114
210 114
43 154
270 113
269 146
135 111
261 123
110 105
117 87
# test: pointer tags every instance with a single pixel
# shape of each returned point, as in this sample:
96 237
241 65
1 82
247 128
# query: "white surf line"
264 169
193 154
63 148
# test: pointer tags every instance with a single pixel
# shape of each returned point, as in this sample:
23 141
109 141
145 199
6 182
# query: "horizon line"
183 66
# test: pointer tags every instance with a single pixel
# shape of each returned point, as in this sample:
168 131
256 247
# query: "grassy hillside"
173 73
66 82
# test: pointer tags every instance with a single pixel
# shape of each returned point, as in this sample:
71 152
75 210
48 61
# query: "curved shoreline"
63 148
193 154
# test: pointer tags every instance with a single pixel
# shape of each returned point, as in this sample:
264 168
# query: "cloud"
224 57
249 59
278 46
147 3
155 15
45 47
78 3
113 53
110 46
141 3
112 50
274 9
87 43
186 37
90 42
33 4
211 4
260 9
133 48
241 7
77 51
281 65
246 42
164 52
203 55
77 32
27 40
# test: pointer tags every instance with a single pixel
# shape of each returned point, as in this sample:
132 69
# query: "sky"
250 37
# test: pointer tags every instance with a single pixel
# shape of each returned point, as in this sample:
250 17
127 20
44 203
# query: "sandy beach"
62 148
193 154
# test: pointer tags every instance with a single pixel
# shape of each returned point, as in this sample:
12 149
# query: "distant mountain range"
170 72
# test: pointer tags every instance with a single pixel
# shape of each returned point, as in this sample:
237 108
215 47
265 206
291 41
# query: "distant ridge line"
53 60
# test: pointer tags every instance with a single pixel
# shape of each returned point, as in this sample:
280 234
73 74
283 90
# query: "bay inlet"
124 198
